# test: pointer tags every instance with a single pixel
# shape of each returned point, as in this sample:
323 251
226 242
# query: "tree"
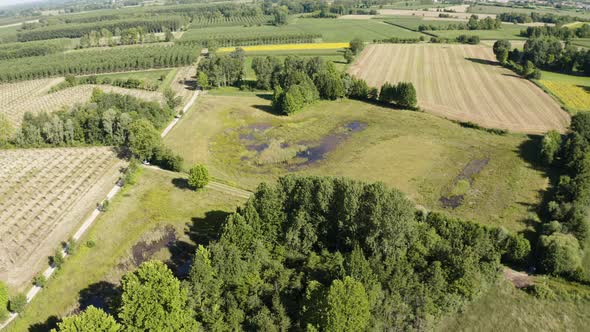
561 254
329 84
3 300
550 146
153 300
281 15
205 289
143 139
168 35
406 95
356 46
57 259
347 306
501 50
203 80
348 55
198 176
90 320
18 303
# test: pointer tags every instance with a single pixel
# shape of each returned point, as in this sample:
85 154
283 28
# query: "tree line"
151 24
96 61
538 17
109 119
547 53
565 233
255 38
129 36
36 48
318 254
563 33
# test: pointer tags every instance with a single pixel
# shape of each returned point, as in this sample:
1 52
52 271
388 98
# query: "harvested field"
31 96
184 82
434 14
463 83
44 194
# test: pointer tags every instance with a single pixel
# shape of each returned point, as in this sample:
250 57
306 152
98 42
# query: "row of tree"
36 48
96 61
129 36
563 33
318 254
538 17
547 53
151 24
108 119
567 229
223 70
225 40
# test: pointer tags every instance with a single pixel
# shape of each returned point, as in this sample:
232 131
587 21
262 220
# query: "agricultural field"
201 22
429 14
32 96
288 47
583 42
572 91
138 225
508 31
331 30
463 83
481 9
428 158
44 195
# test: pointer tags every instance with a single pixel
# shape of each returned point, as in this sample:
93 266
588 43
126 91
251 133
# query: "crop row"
224 40
151 24
217 21
34 48
96 61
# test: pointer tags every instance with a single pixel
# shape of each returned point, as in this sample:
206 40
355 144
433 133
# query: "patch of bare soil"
518 279
468 173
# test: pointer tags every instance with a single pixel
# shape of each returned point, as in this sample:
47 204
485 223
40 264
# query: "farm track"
463 83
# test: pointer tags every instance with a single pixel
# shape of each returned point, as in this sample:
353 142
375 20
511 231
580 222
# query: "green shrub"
198 177
40 280
18 303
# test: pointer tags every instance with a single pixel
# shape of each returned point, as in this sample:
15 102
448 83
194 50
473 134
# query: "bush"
560 254
403 94
72 245
357 45
57 259
18 303
542 291
40 281
198 177
90 244
550 147
518 249
166 159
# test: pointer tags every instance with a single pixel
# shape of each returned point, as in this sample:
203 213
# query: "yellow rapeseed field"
573 96
288 47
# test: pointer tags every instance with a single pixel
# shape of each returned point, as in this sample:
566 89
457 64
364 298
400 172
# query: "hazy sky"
15 2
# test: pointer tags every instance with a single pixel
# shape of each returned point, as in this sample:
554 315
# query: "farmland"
572 91
32 96
288 47
463 83
44 194
421 154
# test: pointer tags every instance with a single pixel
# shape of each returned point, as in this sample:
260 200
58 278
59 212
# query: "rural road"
96 212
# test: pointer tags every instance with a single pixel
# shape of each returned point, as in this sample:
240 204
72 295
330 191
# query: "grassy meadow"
152 76
136 216
505 308
243 143
508 31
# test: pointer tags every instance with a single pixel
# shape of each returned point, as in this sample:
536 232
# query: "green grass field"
418 153
413 23
583 42
571 91
505 308
508 31
8 34
152 76
332 30
138 213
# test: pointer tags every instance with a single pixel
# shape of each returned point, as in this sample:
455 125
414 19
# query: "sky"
15 2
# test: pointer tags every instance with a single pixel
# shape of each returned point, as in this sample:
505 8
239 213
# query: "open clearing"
243 143
44 194
135 220
463 83
31 96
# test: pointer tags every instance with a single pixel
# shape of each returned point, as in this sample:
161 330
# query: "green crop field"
244 144
584 42
8 34
332 30
139 214
413 23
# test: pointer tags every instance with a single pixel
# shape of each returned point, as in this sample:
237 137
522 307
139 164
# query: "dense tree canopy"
90 320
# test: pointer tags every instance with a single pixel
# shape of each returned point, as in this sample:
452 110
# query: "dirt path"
518 279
